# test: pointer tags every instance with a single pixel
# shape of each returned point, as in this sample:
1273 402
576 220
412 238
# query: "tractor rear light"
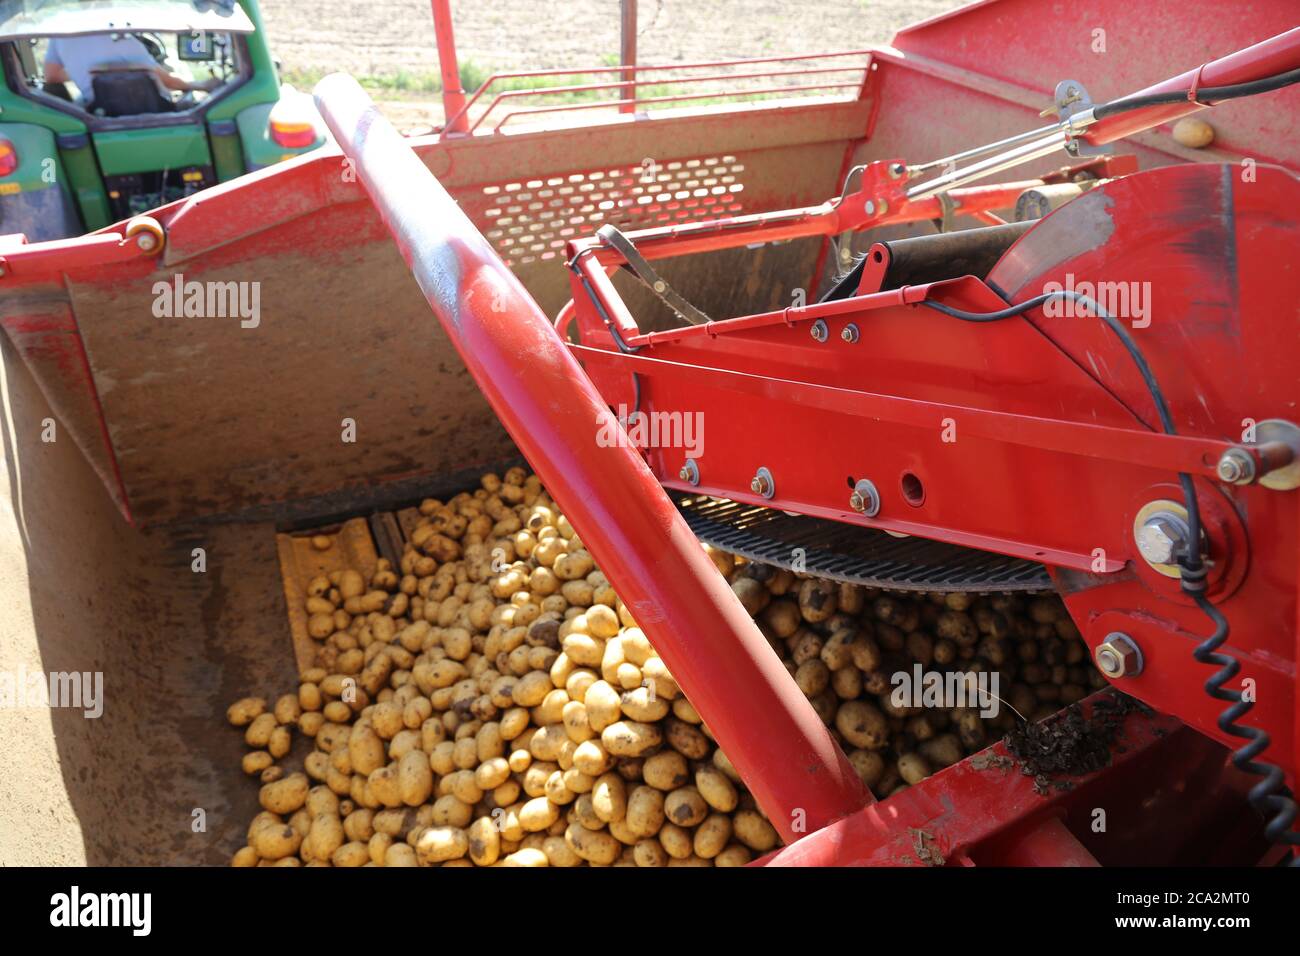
292 135
294 122
8 157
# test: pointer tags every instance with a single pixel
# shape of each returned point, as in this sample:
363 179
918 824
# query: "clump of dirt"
987 760
924 847
1071 744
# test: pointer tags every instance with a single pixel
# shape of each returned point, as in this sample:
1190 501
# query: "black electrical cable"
1206 95
1268 796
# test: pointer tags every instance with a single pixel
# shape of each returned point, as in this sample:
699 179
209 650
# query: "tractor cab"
111 108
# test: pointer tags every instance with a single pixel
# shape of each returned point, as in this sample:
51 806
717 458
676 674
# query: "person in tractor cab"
78 58
112 108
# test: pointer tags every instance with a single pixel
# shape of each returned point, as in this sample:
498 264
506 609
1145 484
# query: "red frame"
799 386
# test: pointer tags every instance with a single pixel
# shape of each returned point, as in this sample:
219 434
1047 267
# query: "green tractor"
111 108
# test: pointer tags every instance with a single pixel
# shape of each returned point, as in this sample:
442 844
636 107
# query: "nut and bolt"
690 472
762 483
147 241
850 333
1236 467
1164 538
865 499
1118 656
819 330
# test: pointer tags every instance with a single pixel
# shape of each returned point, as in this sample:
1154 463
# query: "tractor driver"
73 58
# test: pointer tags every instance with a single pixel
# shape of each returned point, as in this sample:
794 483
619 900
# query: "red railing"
459 120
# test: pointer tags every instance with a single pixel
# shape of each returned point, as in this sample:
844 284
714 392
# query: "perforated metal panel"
531 220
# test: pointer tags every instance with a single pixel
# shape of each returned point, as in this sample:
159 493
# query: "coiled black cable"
1269 797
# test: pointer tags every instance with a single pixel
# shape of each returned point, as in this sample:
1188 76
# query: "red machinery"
1038 436
997 448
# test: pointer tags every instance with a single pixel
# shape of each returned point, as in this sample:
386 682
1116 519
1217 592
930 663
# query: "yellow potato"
415 778
609 797
627 738
645 811
594 846
685 807
286 795
718 791
753 830
484 841
538 814
438 844
711 836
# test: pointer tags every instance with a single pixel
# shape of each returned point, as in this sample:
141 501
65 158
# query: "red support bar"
756 712
643 69
453 97
1133 446
627 52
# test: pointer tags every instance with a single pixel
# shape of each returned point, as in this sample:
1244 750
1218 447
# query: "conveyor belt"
857 555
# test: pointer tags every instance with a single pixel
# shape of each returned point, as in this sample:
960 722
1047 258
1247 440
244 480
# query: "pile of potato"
491 701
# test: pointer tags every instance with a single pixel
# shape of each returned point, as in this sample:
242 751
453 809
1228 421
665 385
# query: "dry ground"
393 39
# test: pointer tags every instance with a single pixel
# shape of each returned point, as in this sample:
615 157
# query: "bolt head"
819 331
1157 542
1118 656
857 503
684 474
1236 467
756 485
147 241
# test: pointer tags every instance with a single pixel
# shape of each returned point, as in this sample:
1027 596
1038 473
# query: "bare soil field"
394 38
377 37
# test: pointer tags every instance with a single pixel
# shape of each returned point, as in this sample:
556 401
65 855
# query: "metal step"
844 552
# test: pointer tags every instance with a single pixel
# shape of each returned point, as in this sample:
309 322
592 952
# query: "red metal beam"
1159 791
627 52
453 97
758 715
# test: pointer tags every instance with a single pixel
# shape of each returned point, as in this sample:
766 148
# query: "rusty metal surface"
207 416
83 592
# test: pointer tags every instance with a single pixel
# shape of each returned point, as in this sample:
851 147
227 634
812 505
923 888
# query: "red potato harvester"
1095 394
1011 413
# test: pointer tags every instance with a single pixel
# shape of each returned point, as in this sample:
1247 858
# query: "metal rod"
716 653
627 52
623 87
453 97
981 150
712 94
994 164
675 67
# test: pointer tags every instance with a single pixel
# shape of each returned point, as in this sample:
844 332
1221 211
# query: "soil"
392 37
1071 744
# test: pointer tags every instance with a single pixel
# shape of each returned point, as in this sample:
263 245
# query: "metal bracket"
1071 98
